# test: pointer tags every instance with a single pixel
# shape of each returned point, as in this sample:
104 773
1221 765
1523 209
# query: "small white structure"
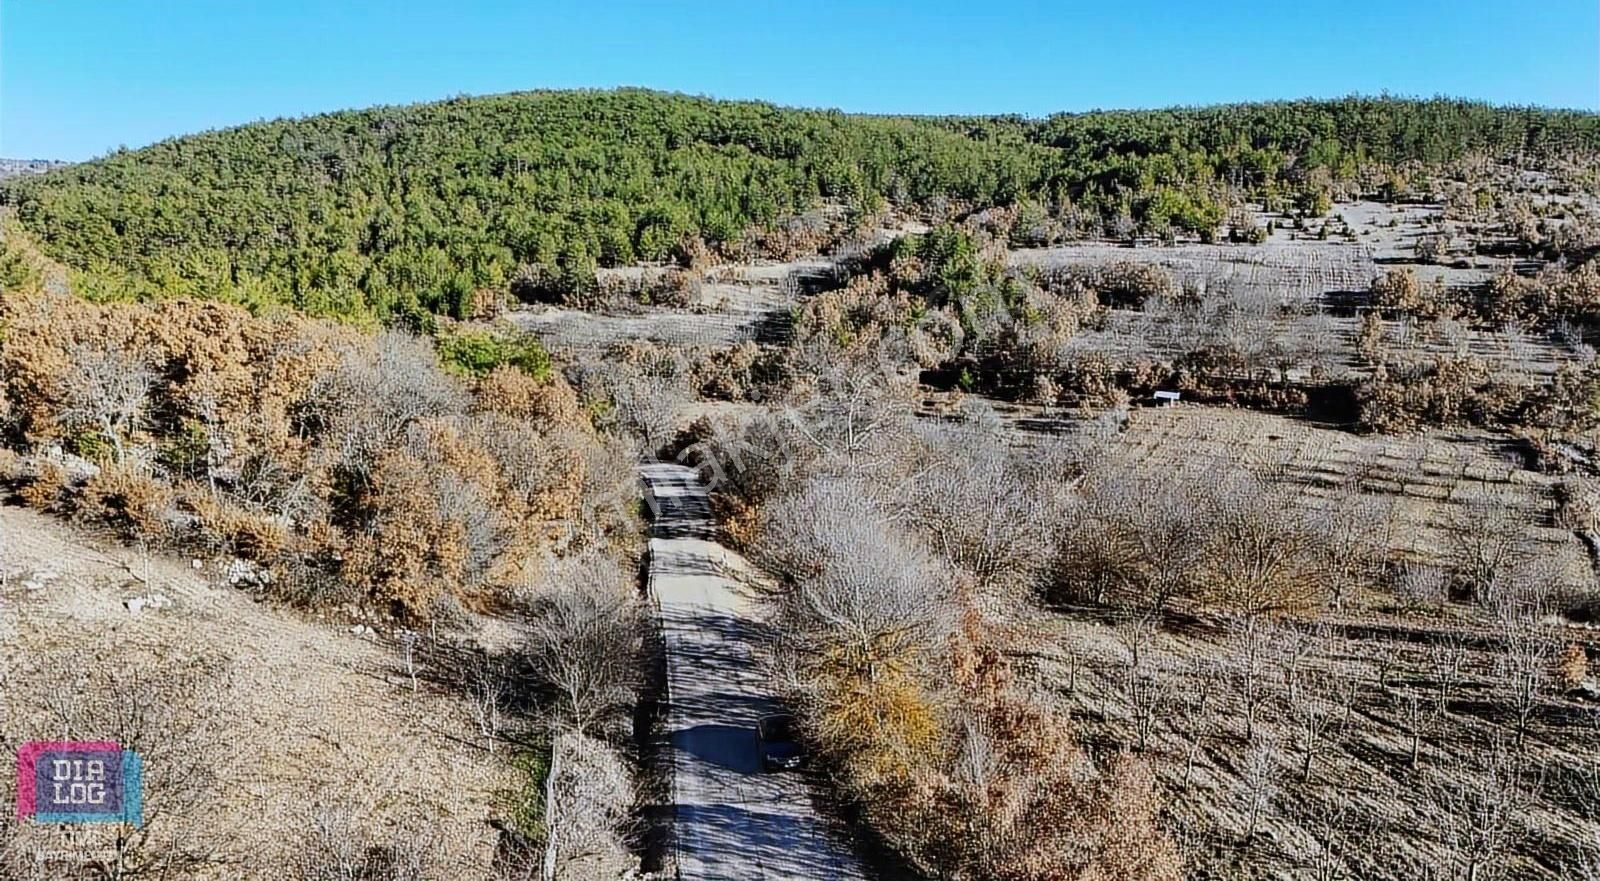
1166 399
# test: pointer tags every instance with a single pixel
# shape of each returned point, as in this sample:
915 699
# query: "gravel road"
733 820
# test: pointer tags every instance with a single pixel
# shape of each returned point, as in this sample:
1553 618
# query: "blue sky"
78 78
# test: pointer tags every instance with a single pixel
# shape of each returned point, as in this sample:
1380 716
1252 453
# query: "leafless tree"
1194 717
1386 656
1135 635
1415 716
647 407
1258 774
1330 839
1293 647
860 585
983 509
1587 865
334 847
588 817
1314 714
1522 667
486 689
1422 586
1447 662
366 404
1489 547
1479 813
859 411
1247 669
584 639
408 654
1353 531
106 390
174 719
1147 696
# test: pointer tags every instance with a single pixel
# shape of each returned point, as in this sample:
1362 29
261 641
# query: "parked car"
777 742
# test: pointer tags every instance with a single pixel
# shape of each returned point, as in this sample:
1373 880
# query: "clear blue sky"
78 78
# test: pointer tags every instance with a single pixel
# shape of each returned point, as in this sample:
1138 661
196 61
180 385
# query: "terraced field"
735 304
1292 271
1424 482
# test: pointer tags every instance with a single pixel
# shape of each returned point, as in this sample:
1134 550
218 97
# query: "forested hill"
397 210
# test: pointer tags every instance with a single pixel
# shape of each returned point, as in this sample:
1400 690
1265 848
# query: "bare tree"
334 847
1147 696
1194 717
1422 586
1314 714
106 390
1523 667
983 509
1258 774
583 643
1353 528
1489 547
1415 716
588 815
1479 813
174 718
1247 669
366 404
860 585
1330 838
486 688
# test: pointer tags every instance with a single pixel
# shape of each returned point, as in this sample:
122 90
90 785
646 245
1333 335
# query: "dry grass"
293 715
1364 810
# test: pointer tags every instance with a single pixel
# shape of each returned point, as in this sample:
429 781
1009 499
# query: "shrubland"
907 555
380 469
1228 644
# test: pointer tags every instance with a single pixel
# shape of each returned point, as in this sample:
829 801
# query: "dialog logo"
79 781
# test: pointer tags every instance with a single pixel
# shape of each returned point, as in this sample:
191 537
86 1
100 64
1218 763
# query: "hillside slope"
397 210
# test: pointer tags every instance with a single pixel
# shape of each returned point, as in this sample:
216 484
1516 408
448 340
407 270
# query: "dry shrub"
739 521
881 723
226 527
307 447
13 468
1571 668
1012 797
1447 391
1124 284
46 487
727 374
135 504
512 392
441 518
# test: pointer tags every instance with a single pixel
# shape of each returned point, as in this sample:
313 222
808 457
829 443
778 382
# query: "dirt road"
733 821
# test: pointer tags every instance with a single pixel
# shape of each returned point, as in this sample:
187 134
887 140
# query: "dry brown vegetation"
1272 642
389 479
346 466
905 555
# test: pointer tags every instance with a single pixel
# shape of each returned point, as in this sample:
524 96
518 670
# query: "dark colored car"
776 741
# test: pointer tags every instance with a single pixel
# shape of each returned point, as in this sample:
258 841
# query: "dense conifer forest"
401 212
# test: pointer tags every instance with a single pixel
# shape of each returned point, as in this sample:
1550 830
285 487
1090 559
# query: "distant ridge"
20 167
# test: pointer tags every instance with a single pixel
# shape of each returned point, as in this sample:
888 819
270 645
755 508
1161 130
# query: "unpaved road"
733 821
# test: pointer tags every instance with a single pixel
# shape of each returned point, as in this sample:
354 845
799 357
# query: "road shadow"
731 747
